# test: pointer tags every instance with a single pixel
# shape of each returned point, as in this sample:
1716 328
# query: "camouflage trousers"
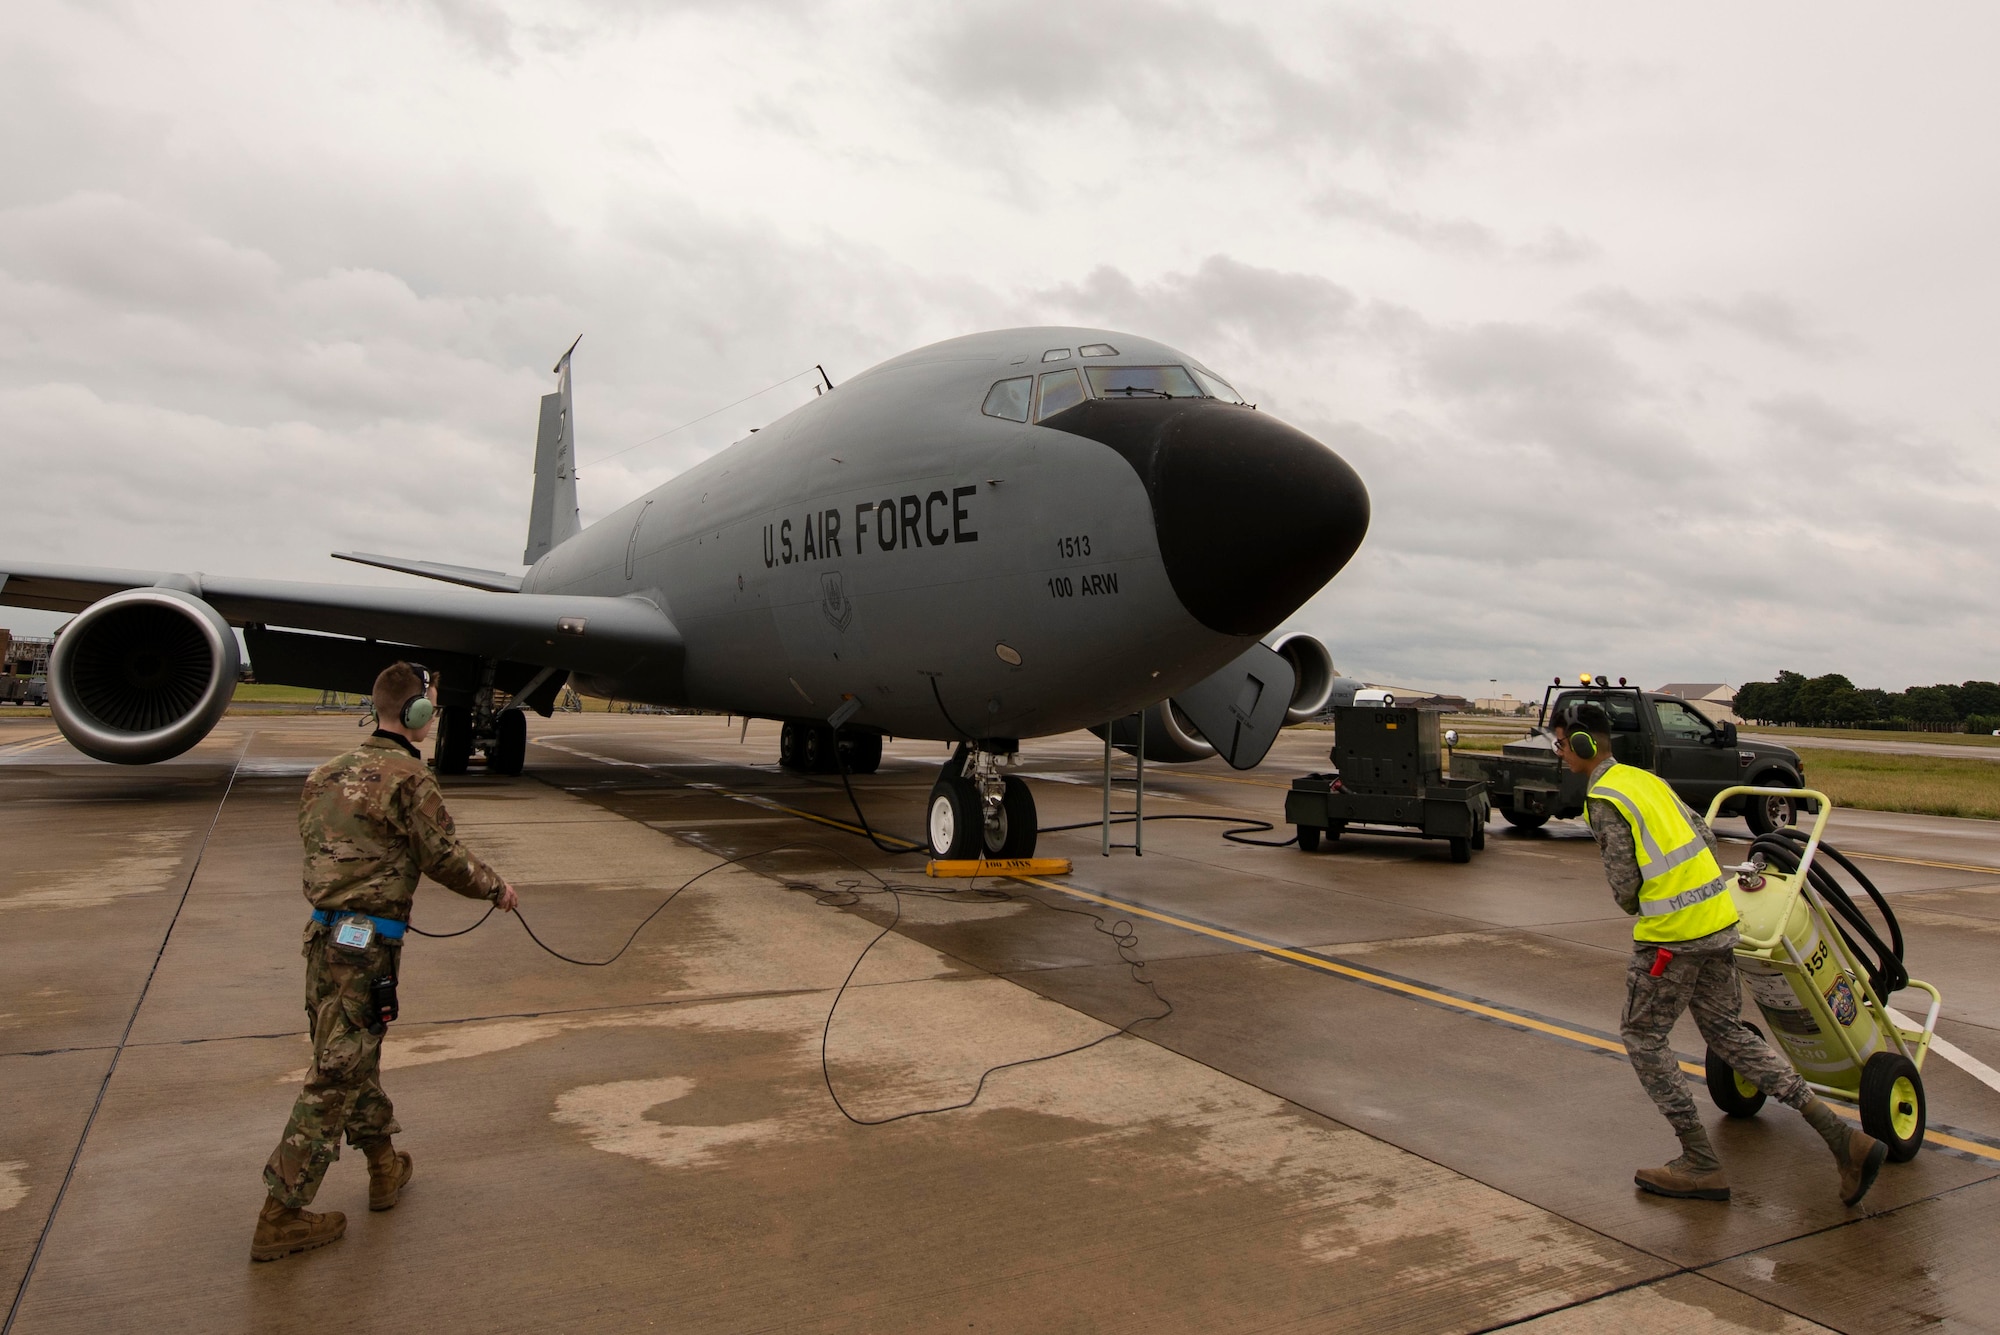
343 1092
1706 984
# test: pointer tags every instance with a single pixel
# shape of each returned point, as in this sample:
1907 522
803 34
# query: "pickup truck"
1528 783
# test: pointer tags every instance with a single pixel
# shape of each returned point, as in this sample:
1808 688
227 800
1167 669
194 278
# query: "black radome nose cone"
1253 516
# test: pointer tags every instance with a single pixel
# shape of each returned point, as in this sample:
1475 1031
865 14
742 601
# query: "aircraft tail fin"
553 518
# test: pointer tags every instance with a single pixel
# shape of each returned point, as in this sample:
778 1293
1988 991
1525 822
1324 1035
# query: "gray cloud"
1347 84
1462 235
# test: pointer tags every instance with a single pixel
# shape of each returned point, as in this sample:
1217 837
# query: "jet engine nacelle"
1173 738
142 676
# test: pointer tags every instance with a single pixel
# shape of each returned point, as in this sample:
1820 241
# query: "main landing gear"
809 748
976 812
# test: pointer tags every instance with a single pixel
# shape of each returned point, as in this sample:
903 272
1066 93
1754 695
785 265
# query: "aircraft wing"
595 635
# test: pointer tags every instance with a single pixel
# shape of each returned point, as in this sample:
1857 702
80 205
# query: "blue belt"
386 928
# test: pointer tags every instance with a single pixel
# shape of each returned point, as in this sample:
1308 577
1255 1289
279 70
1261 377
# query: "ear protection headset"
418 709
1581 744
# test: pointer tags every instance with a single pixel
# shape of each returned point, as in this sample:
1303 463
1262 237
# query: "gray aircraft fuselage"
962 575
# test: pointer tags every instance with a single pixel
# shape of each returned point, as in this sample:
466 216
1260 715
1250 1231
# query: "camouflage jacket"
371 821
1621 862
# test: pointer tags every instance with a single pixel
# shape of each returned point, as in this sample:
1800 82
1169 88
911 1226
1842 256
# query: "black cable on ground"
124 1040
1243 825
867 829
1124 939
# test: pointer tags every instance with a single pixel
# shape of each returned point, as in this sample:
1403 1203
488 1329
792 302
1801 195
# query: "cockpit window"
1216 387
1097 350
1060 390
1142 382
1056 355
1009 399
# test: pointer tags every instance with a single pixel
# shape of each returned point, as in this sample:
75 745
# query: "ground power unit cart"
1387 779
1822 975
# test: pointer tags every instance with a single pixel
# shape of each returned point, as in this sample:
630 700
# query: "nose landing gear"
977 812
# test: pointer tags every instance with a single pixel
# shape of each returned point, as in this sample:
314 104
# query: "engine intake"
141 676
1312 662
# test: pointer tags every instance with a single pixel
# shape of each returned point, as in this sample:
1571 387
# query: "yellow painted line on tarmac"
32 744
1922 862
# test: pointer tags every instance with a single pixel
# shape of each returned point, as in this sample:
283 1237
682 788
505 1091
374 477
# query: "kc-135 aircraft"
1006 535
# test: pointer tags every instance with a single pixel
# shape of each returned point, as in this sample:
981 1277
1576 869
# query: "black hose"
1883 960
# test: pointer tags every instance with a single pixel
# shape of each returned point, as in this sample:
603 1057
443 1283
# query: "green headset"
418 709
1581 744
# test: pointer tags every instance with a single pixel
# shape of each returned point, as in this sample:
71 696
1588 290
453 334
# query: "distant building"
1500 704
1716 699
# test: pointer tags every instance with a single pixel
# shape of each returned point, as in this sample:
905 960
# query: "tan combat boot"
1859 1164
389 1171
1678 1179
282 1230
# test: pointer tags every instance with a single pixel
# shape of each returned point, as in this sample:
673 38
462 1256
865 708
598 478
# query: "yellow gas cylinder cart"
1821 973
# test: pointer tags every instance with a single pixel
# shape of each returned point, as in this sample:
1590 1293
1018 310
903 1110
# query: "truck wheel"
1892 1104
1309 838
1525 821
1765 814
1730 1091
1461 850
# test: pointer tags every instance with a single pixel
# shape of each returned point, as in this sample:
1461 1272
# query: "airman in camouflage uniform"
370 820
1698 975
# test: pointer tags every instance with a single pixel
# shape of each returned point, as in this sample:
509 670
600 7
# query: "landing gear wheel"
952 818
1011 833
1765 814
1730 1091
788 746
1525 821
1308 838
1892 1104
454 739
1461 850
509 752
862 751
816 750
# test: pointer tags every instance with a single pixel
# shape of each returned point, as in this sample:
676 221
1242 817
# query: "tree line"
1834 701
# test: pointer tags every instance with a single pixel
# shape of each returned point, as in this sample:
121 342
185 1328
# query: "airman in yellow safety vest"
1660 859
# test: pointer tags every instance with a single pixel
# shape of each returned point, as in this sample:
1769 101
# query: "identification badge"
354 933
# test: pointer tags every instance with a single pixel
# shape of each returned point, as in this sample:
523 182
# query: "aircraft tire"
788 746
1019 825
454 739
952 820
509 754
815 750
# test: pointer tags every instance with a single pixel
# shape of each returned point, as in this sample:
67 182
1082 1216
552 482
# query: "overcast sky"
1661 337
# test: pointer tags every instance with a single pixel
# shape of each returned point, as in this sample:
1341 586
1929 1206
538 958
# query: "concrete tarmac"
1383 1092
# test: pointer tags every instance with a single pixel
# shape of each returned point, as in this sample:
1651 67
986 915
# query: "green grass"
1866 735
259 693
1929 785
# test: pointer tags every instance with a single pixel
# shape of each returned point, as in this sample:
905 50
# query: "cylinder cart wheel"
1461 850
1309 838
1730 1091
1892 1104
1525 821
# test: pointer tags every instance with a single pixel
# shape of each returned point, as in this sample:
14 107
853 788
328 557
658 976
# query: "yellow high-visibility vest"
1681 891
